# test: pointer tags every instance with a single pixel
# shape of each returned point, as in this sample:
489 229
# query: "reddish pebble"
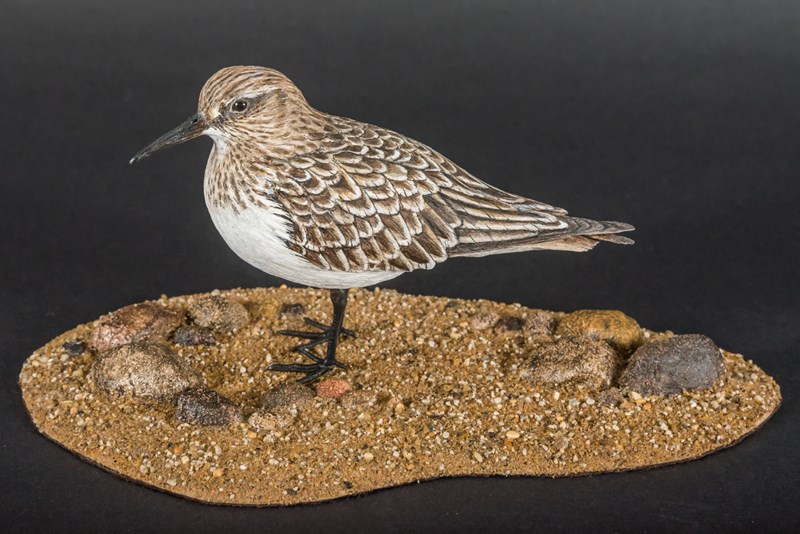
335 388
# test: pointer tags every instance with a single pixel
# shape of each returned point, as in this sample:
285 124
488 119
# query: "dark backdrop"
680 117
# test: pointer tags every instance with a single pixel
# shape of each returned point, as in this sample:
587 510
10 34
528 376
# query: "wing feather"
371 199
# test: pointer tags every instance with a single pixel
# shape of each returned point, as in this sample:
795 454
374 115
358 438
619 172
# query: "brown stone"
484 320
143 370
219 313
610 397
204 406
573 361
147 321
612 326
540 323
287 395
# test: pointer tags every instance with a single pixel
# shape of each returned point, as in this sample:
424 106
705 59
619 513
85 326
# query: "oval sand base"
433 397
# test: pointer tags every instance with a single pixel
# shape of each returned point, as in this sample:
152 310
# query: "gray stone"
575 361
219 313
141 369
146 321
190 335
204 406
670 365
74 348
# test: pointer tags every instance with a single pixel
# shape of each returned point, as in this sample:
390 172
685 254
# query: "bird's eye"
239 105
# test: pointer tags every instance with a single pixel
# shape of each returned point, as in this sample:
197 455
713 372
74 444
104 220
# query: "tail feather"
581 235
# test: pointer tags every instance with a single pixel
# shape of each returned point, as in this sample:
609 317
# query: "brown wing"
371 199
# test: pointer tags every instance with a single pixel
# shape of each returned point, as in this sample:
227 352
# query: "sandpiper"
334 203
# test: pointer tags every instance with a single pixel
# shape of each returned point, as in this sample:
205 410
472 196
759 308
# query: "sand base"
433 397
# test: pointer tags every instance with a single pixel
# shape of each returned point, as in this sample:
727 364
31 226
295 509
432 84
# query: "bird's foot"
325 336
312 370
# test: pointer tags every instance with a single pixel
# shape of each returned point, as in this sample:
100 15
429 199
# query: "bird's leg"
327 335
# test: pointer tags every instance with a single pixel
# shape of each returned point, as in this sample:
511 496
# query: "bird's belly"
258 236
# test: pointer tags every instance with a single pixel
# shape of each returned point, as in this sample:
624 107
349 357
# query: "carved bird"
334 203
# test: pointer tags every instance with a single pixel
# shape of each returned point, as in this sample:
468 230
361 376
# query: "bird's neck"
230 172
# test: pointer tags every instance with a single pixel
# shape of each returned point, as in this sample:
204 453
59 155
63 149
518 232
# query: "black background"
680 117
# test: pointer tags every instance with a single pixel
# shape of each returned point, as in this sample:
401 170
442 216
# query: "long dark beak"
189 129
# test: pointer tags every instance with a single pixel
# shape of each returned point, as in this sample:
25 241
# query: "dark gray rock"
204 406
142 369
220 314
287 395
190 335
74 348
670 365
577 360
146 321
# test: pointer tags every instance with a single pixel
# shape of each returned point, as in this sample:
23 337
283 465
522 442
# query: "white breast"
257 234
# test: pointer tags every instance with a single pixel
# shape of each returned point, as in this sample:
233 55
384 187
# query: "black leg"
327 335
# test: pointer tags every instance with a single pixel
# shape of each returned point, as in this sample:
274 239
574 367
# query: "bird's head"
240 104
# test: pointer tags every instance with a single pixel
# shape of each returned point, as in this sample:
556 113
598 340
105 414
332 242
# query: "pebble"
669 366
204 406
359 399
146 321
287 395
512 434
74 348
509 324
574 361
292 310
191 335
540 323
220 314
143 370
265 421
484 320
334 388
614 327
